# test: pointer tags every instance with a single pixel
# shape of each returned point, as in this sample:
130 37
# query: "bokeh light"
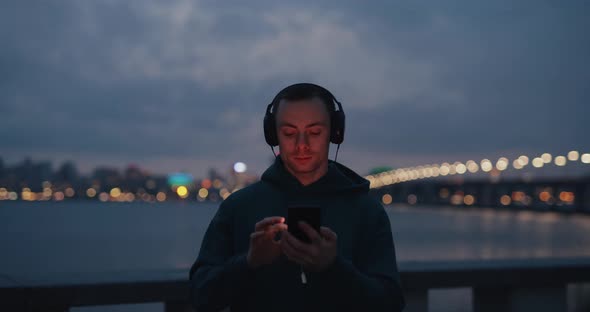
90 192
182 191
560 161
538 162
486 165
203 193
573 155
240 167
386 199
115 192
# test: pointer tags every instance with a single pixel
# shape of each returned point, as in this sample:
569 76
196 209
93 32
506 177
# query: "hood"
338 179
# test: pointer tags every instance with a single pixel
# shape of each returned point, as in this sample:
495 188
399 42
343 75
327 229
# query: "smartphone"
308 213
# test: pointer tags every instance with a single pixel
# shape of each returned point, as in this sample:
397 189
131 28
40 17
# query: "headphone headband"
337 117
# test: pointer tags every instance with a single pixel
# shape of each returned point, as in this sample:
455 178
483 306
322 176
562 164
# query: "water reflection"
64 237
435 234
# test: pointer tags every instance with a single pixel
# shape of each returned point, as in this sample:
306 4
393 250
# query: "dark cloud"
167 82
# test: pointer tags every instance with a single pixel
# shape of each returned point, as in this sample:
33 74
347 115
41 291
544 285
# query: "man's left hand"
315 256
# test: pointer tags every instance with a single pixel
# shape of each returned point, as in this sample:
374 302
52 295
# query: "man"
249 260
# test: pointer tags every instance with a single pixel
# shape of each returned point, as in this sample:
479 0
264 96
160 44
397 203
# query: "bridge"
488 184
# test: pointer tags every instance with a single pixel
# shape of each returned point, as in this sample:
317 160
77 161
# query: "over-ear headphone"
337 117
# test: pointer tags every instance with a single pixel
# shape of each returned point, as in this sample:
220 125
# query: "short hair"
304 91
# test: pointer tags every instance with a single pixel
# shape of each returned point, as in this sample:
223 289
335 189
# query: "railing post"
416 300
519 299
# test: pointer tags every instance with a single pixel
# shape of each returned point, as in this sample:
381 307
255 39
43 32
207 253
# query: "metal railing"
497 285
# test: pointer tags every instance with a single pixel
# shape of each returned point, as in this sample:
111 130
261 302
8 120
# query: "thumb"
328 234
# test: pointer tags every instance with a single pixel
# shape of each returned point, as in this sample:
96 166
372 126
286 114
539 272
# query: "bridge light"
538 162
427 172
560 161
472 166
544 196
486 165
386 199
517 164
444 169
586 158
435 171
573 155
524 160
387 179
505 200
502 163
461 168
566 196
453 169
546 157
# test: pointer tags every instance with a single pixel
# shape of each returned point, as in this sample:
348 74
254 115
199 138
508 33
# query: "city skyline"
182 85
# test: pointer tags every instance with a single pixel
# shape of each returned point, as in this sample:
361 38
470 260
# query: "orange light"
544 196
518 196
206 184
386 199
505 200
90 192
469 200
566 196
161 196
115 192
457 199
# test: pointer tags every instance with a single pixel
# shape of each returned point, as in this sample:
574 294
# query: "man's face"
303 130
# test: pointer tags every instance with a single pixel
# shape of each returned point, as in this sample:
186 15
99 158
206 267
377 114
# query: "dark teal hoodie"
363 277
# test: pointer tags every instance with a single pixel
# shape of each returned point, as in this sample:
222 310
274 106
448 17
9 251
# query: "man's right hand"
263 248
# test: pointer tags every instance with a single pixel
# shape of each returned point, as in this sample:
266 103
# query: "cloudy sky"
182 85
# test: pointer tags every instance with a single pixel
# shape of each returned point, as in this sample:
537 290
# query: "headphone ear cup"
337 128
270 130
